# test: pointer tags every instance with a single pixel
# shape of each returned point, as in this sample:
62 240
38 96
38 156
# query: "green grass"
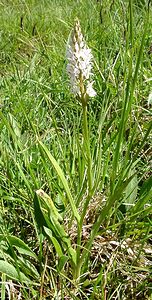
90 237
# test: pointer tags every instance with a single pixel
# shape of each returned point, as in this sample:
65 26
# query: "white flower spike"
80 65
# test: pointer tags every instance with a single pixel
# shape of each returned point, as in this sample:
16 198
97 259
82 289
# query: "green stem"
89 163
87 153
87 147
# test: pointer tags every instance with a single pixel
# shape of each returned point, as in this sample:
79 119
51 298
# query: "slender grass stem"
86 143
86 139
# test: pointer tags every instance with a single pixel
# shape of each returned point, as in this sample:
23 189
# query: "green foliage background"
36 105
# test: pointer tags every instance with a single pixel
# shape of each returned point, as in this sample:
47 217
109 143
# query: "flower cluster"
80 65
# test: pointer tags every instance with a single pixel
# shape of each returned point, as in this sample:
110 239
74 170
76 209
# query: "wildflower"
79 65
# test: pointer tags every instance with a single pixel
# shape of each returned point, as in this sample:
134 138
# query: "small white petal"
90 91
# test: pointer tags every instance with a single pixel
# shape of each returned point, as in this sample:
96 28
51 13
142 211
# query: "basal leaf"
11 272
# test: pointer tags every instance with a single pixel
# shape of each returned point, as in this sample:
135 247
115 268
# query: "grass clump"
75 169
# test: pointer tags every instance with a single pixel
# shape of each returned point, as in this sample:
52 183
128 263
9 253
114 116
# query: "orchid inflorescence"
79 65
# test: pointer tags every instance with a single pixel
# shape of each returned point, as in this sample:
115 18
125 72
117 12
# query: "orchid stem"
87 148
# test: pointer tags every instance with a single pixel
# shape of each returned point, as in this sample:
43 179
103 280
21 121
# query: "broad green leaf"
54 241
49 202
40 217
62 261
59 228
11 272
19 244
63 180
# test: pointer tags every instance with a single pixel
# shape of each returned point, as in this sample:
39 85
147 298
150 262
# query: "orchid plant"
79 69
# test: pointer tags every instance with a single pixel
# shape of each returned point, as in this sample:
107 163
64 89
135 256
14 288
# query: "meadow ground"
75 185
